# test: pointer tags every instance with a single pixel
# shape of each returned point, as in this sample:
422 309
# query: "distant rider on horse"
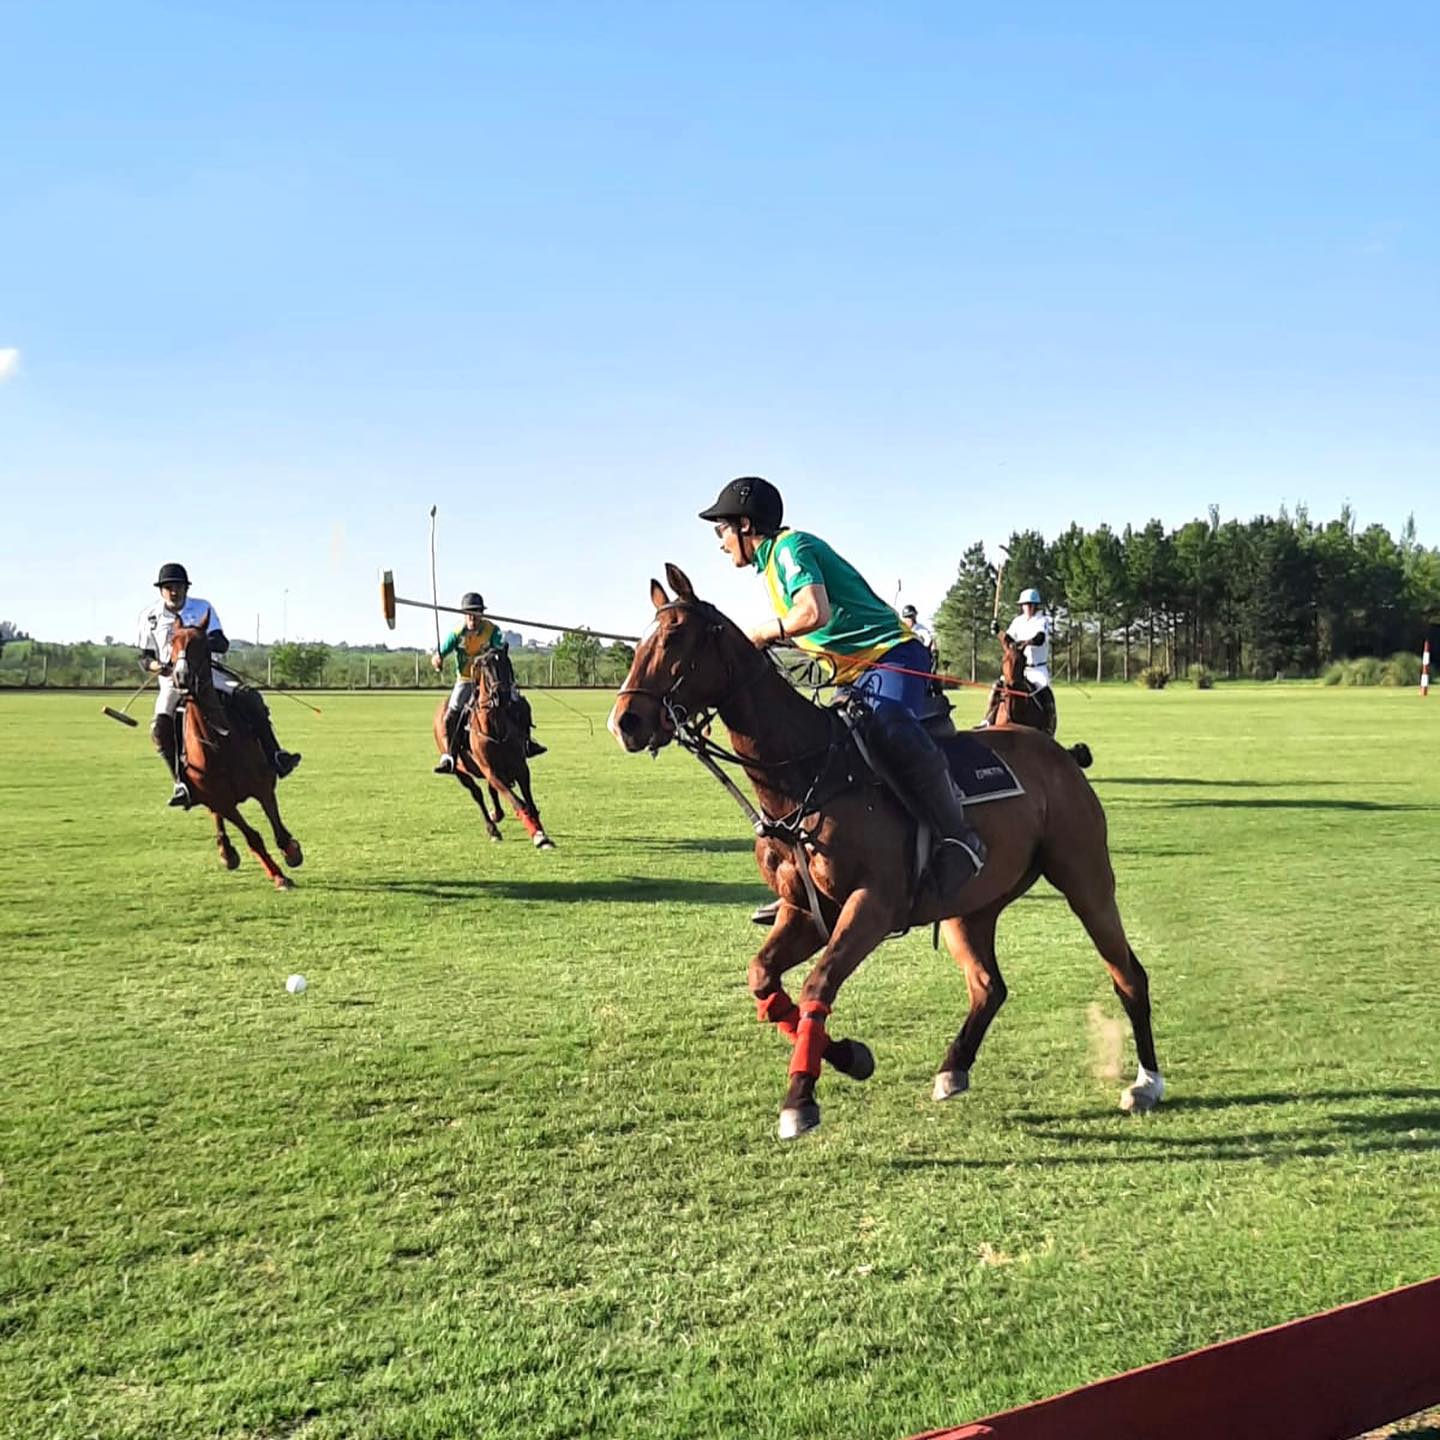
1031 630
178 608
823 605
473 637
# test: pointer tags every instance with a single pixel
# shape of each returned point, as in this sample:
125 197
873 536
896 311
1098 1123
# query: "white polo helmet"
1030 597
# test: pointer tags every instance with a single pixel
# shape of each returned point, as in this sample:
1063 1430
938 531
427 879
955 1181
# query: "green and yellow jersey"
466 645
861 629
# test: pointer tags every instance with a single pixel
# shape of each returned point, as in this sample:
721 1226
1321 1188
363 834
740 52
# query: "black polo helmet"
910 613
172 574
749 497
472 602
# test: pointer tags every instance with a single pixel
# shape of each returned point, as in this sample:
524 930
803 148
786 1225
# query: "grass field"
509 1167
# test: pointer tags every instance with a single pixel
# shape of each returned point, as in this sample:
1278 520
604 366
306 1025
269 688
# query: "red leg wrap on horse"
781 1011
811 1040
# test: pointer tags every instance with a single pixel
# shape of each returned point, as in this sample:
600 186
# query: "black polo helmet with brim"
472 602
172 574
752 498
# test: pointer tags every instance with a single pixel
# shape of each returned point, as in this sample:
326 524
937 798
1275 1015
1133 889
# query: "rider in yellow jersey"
467 642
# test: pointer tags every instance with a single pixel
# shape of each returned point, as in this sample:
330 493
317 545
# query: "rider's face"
174 596
1029 609
472 620
732 542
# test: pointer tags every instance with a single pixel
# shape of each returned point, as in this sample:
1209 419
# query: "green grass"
509 1167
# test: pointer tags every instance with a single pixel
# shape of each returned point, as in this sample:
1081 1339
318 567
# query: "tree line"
1275 595
577 659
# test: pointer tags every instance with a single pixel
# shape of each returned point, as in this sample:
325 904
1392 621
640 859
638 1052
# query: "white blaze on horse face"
612 724
181 672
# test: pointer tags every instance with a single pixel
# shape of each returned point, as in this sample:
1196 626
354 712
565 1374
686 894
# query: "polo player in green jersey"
471 639
823 605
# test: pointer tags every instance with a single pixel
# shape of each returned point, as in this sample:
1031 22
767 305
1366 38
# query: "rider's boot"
252 705
919 771
766 914
163 732
453 725
522 708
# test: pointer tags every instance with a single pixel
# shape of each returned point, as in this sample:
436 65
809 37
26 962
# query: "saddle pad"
979 773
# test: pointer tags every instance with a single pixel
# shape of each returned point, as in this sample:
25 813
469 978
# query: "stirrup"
285 762
446 766
766 914
533 748
180 796
952 851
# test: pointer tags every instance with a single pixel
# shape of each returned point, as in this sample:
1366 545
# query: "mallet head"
387 598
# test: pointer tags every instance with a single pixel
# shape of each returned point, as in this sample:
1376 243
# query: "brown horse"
1015 701
492 753
857 844
223 762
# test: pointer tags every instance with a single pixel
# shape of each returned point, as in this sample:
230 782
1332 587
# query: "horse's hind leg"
256 843
294 855
1088 883
222 843
971 942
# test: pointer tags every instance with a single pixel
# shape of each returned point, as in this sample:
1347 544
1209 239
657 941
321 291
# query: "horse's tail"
1081 755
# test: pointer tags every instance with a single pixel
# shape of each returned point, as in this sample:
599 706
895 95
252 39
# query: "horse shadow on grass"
621 890
1125 1140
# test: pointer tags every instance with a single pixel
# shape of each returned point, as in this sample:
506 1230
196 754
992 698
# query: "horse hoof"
230 859
294 855
494 839
1140 1098
853 1058
284 882
798 1120
543 841
950 1083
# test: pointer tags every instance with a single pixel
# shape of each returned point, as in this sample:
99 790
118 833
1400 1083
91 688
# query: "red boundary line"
1327 1377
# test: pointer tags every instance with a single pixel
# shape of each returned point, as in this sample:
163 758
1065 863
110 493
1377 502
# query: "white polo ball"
296 984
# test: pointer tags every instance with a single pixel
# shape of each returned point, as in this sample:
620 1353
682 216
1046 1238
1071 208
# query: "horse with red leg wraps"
223 762
493 753
857 844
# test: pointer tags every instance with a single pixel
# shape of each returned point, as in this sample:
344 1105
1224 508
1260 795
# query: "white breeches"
460 696
1038 675
168 700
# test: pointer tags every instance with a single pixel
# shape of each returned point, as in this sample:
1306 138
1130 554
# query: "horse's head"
190 656
494 677
685 664
1012 663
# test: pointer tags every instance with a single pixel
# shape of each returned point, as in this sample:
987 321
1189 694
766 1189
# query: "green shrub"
1152 677
1401 669
1202 677
1367 670
1334 673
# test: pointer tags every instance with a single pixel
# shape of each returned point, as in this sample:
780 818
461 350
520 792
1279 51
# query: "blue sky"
275 278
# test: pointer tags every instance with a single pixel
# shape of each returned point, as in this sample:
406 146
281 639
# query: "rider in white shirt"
177 608
1031 630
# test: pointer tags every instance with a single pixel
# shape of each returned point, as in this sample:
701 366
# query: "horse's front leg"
256 842
793 939
864 922
294 855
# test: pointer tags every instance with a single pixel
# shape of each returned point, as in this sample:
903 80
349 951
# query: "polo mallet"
999 581
123 714
389 600
254 684
434 588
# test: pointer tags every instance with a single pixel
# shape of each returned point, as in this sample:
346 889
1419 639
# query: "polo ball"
296 984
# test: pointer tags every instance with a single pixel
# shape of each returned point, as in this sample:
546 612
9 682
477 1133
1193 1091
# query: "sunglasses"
725 525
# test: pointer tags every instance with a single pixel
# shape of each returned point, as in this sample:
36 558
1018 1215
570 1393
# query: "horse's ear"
658 598
203 623
679 582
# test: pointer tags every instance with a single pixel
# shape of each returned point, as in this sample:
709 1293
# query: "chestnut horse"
823 812
493 751
223 762
1015 701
